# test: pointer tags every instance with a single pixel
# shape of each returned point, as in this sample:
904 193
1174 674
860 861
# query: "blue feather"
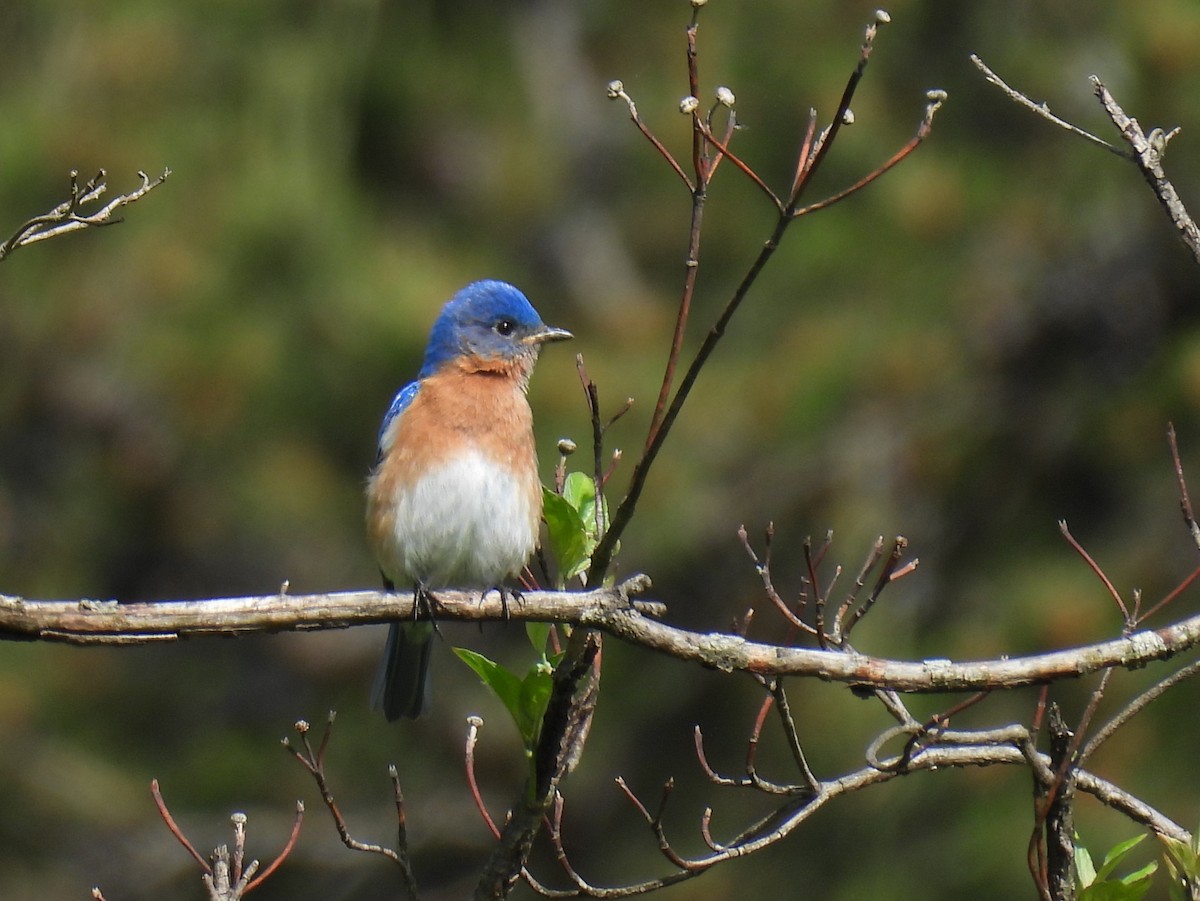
466 324
400 403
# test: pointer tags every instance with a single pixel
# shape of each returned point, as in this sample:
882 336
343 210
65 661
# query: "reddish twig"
812 161
616 91
889 573
763 568
666 411
287 849
1087 558
313 760
474 724
936 99
1171 596
723 147
174 828
873 557
1185 500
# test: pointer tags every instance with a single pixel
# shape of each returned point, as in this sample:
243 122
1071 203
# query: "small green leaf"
535 695
1142 875
1115 854
569 540
1085 870
503 683
539 635
1114 891
524 699
579 490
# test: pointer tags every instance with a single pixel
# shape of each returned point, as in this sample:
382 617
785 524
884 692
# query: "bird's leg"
423 602
425 607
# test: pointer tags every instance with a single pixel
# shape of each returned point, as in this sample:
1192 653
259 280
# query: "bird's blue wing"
400 403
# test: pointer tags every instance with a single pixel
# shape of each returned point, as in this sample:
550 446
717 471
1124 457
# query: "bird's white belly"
466 524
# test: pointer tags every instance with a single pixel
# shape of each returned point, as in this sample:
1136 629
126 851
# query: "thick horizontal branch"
612 610
729 652
92 622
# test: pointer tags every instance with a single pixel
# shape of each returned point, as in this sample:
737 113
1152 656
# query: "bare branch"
109 622
313 760
607 610
70 215
1148 152
1041 109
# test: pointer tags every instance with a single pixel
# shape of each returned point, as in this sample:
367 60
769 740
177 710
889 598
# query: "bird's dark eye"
505 327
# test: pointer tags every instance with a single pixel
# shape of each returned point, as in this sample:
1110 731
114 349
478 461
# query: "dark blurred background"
990 339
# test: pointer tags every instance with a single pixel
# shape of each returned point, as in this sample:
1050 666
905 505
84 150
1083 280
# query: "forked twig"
313 760
69 215
226 877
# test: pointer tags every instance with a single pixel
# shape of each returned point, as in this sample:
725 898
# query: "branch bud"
882 16
615 89
725 96
688 105
566 446
848 117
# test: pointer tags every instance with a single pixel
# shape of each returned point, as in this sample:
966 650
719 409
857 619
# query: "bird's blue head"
488 320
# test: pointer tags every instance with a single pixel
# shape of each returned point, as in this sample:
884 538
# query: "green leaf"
524 699
579 490
1181 857
569 541
535 696
503 683
1114 891
1085 870
1115 854
1142 875
539 636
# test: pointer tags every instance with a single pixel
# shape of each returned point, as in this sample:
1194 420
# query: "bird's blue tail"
402 684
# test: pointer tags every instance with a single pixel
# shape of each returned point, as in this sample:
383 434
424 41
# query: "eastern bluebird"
454 500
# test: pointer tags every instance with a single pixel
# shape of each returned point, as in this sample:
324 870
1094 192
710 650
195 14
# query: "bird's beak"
547 334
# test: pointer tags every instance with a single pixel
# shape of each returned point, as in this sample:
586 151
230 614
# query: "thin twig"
793 738
1171 596
616 91
723 147
763 568
812 163
174 828
1185 500
1136 706
474 724
69 216
936 99
313 761
1042 109
1087 558
890 572
287 849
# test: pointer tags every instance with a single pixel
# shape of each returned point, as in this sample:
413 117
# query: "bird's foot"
425 607
505 594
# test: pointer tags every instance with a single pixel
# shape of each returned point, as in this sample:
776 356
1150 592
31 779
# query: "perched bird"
454 499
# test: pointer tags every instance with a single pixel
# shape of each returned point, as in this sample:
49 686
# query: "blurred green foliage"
989 339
